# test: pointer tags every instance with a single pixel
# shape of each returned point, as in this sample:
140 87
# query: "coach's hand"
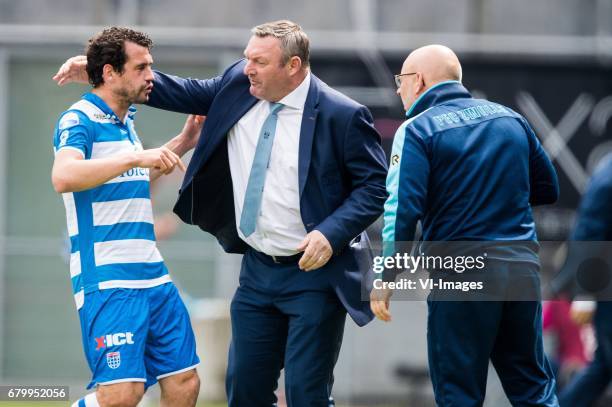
72 71
379 303
317 251
191 130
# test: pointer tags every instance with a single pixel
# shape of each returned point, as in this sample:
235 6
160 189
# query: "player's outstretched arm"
184 142
71 172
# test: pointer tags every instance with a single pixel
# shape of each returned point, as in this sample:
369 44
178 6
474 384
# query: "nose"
248 68
149 75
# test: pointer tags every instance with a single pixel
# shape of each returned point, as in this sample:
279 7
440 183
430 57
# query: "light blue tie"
257 177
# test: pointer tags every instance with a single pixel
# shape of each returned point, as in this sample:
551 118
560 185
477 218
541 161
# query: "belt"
293 259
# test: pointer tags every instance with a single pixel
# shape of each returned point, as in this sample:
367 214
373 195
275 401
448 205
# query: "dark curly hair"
108 47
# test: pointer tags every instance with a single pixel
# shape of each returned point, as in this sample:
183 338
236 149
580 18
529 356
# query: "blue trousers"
462 337
592 382
282 318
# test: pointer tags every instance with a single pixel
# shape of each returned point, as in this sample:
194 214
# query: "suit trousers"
462 336
593 380
283 317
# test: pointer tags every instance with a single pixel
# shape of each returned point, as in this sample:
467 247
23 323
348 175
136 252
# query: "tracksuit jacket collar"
436 95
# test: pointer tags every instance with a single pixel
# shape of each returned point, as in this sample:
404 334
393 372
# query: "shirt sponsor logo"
63 137
117 339
135 172
68 120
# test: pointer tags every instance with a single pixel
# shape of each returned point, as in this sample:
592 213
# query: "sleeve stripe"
391 205
57 150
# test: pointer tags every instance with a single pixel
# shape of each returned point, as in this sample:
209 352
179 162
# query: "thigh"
125 394
259 333
316 327
114 325
171 347
460 337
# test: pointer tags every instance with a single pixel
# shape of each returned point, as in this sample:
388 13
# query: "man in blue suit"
289 172
590 238
470 170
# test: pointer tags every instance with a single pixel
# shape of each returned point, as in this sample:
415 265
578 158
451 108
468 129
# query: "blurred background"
551 60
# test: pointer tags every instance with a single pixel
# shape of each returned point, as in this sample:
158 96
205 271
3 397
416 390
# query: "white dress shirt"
279 228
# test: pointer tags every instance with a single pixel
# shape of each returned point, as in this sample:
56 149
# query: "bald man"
470 170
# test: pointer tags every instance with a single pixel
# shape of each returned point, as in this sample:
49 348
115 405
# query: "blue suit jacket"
590 238
342 169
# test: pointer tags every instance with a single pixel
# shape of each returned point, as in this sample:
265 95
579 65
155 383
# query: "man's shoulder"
84 112
331 97
458 113
235 70
602 175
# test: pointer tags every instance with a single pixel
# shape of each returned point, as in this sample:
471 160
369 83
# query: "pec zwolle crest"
113 359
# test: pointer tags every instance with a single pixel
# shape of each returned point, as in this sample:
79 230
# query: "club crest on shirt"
113 359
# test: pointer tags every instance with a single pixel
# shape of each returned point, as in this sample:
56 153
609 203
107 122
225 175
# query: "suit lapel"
225 122
218 131
309 121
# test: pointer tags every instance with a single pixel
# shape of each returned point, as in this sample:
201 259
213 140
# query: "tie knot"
275 107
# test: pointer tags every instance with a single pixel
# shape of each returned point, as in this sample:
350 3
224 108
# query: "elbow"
60 184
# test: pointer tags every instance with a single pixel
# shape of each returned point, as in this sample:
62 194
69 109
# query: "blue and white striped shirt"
110 226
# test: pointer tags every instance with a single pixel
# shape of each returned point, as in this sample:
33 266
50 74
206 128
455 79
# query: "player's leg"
91 400
316 327
114 328
114 395
170 354
180 390
120 394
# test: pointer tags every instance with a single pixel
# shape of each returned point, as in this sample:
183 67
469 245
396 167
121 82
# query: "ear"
108 72
294 64
419 83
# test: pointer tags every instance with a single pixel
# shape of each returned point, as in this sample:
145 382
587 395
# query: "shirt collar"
297 98
101 104
438 94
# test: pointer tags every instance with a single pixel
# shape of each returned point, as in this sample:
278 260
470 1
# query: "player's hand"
317 251
191 130
582 312
72 71
380 303
160 158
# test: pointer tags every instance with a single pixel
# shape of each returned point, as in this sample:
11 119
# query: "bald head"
425 67
437 63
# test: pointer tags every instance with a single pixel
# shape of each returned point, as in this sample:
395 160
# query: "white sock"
88 401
